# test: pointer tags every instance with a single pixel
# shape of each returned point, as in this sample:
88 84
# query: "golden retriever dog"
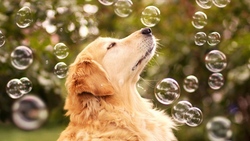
103 103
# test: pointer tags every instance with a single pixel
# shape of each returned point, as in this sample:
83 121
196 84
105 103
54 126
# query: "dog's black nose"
146 31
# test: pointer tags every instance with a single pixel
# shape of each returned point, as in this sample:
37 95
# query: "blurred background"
203 57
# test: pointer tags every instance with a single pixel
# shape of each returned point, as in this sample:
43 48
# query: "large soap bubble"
24 17
21 57
215 61
123 8
150 16
199 20
61 51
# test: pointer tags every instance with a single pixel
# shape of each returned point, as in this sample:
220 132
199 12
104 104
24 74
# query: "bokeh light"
179 110
2 39
123 8
200 38
13 88
215 61
24 17
216 81
219 129
60 70
199 20
205 4
190 84
213 38
150 16
194 117
167 91
61 51
21 57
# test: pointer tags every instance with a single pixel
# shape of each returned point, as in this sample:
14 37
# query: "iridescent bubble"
150 16
194 117
123 8
221 3
219 129
205 4
24 17
60 70
21 57
26 86
200 38
190 83
13 88
215 61
106 2
29 112
61 51
199 20
167 91
213 38
2 39
216 81
179 110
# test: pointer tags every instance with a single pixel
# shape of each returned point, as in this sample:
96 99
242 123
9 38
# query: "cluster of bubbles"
184 112
219 129
206 4
61 51
150 16
16 88
212 39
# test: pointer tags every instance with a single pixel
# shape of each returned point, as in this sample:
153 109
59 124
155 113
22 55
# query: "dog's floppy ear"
87 76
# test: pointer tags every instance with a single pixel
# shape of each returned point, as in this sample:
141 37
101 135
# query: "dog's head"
107 63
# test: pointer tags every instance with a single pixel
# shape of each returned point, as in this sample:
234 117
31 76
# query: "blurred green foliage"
177 55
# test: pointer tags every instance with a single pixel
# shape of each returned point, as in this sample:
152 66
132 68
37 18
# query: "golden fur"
103 103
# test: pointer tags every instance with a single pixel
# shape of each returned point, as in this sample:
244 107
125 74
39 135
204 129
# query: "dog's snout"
146 31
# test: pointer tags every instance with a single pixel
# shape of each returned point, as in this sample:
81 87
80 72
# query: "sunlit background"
200 74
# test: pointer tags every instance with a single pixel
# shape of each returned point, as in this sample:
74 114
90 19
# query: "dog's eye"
111 45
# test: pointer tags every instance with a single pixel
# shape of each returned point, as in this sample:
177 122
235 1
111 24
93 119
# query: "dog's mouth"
143 58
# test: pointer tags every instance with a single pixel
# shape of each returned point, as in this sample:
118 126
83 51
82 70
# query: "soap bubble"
193 117
219 129
60 70
167 91
13 88
199 20
29 112
2 39
178 111
221 3
216 81
213 38
200 38
190 84
150 16
61 50
24 17
205 4
106 2
26 86
21 57
123 8
215 61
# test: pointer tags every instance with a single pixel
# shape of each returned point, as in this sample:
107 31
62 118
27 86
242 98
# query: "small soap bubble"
13 88
199 20
24 17
213 38
167 91
106 2
215 61
2 39
200 38
60 70
221 3
205 4
61 51
178 111
193 117
21 57
219 129
123 8
190 84
216 81
26 86
150 16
